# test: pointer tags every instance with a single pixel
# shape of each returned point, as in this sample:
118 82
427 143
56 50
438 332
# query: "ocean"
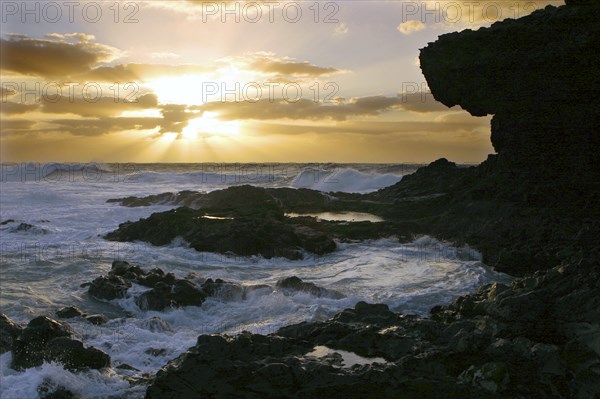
54 216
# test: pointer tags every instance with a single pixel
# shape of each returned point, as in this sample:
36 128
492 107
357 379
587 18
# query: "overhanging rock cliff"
538 76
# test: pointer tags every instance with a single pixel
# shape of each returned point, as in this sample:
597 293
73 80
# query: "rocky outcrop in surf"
47 340
166 291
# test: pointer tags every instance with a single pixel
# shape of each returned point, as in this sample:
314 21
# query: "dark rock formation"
69 312
266 234
170 292
109 287
295 284
47 340
538 76
536 203
97 319
9 331
50 390
166 291
237 201
536 338
180 293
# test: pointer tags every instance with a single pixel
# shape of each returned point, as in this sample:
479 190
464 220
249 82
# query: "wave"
207 178
344 180
53 172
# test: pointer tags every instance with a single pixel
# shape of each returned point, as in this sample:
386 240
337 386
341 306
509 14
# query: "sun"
208 125
186 89
196 89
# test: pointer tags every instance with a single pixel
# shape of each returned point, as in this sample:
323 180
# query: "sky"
233 81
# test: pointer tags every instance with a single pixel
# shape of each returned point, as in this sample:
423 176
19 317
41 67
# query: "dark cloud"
101 107
15 124
301 109
307 109
10 107
51 58
372 128
290 67
96 127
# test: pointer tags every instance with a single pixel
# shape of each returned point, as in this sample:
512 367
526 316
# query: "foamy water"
43 267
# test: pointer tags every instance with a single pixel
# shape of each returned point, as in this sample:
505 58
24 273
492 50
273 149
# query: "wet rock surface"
47 340
294 284
249 230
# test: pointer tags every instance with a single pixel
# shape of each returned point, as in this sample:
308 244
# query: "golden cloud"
56 57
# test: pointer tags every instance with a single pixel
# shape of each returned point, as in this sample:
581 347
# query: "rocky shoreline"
532 210
538 337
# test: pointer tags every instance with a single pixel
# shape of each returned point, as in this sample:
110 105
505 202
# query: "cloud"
409 27
175 118
421 102
268 63
460 14
101 107
340 110
9 108
6 92
140 72
377 128
164 55
265 109
96 127
82 37
15 124
192 8
341 29
55 57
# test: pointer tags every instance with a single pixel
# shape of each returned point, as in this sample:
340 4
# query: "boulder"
294 284
9 331
47 340
109 287
69 312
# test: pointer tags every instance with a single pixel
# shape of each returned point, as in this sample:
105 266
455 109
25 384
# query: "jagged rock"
556 62
46 340
268 235
224 290
493 376
109 287
155 324
50 390
74 356
181 293
9 331
295 284
119 267
158 298
69 312
97 319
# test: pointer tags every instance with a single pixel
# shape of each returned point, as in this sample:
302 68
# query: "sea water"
51 243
